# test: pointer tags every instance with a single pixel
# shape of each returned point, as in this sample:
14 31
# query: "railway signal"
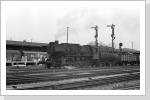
96 40
112 35
120 45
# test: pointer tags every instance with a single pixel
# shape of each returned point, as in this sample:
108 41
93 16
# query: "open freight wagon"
113 59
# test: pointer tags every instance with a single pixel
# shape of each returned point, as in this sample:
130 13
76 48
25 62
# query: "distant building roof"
34 52
23 43
12 51
127 50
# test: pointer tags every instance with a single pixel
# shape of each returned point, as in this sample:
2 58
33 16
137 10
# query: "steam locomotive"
83 56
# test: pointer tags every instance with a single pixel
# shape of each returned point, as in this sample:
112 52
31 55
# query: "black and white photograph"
64 47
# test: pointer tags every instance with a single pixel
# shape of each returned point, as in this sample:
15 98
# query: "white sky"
47 21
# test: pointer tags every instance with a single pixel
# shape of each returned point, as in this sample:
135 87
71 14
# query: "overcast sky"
47 21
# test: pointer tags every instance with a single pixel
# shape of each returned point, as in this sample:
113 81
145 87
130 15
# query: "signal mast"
96 36
112 35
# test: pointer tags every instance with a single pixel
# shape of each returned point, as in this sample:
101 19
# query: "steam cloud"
80 20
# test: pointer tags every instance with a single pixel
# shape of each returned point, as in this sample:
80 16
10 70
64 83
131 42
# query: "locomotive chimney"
56 42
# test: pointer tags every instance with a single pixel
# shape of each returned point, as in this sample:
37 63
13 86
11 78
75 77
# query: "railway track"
34 71
130 88
13 80
79 84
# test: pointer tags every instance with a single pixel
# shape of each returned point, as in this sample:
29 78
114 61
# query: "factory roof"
128 50
24 43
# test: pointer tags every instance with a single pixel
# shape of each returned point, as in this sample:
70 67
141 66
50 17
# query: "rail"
74 85
55 77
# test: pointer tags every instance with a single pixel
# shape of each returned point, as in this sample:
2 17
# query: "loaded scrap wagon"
126 58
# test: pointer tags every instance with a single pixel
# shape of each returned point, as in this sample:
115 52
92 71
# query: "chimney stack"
56 42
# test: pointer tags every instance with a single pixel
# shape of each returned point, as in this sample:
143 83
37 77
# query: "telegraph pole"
112 35
96 36
67 34
67 44
132 46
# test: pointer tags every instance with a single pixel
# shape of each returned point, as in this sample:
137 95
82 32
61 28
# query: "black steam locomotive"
83 56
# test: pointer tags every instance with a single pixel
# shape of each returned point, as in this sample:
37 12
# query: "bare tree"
91 43
102 44
99 44
110 45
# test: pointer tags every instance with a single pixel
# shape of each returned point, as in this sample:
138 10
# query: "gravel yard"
114 86
46 83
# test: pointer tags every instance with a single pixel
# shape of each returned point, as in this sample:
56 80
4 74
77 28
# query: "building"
25 51
25 46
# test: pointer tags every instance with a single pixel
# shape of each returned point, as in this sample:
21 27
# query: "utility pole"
96 36
132 46
67 34
31 40
67 45
112 35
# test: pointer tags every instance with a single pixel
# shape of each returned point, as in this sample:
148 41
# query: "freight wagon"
129 58
113 59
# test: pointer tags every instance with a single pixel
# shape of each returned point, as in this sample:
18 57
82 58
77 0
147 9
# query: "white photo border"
75 92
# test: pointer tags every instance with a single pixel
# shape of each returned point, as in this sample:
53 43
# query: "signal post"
112 35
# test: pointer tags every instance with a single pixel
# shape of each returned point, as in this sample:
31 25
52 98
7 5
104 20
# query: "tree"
91 43
102 44
110 45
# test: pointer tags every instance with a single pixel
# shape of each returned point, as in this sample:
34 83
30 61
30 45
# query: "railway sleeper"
72 85
95 82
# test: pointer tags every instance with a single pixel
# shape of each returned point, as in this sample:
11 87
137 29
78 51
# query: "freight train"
83 56
65 54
